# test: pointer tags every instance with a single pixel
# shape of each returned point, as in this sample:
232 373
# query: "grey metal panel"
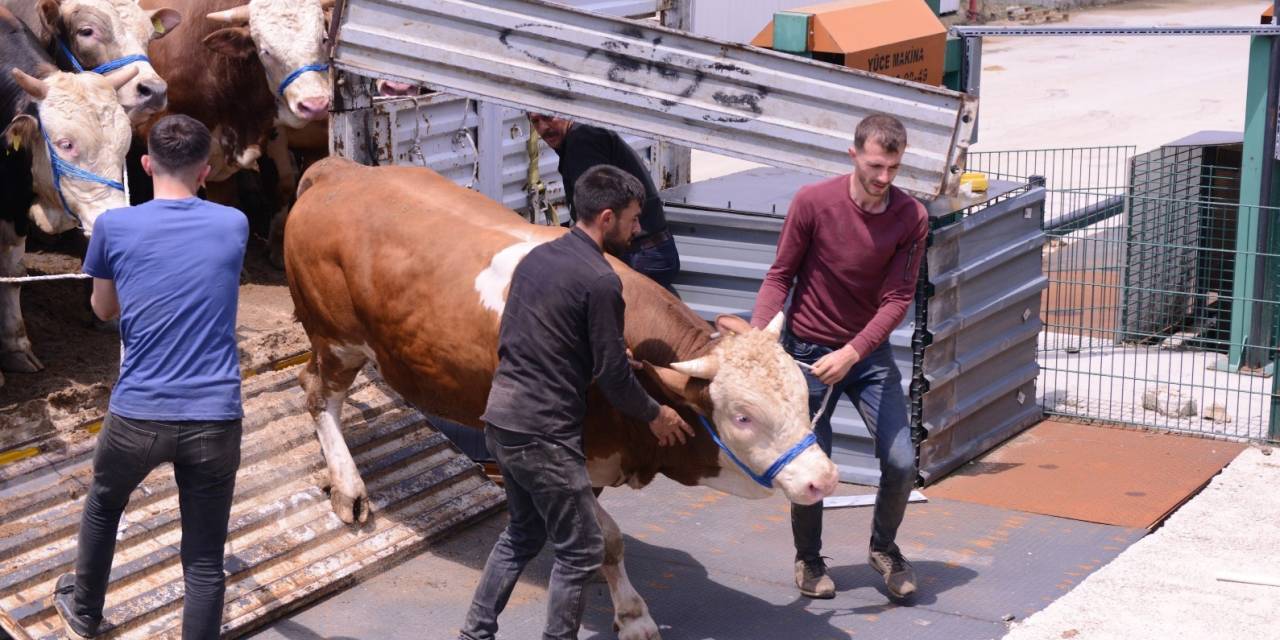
654 81
985 281
476 144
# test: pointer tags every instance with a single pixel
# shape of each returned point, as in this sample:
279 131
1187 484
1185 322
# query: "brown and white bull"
239 68
401 267
44 111
101 32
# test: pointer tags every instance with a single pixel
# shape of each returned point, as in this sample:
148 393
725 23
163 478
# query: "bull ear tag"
15 141
158 25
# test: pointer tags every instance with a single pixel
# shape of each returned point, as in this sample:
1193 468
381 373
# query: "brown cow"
401 267
227 65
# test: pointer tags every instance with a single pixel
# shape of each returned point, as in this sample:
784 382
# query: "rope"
56 276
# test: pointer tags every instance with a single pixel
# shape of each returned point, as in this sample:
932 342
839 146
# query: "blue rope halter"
104 68
315 66
61 168
766 479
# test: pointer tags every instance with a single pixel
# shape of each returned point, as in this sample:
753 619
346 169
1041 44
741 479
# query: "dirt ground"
82 357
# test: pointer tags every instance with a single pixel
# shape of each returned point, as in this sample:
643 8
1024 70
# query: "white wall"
738 20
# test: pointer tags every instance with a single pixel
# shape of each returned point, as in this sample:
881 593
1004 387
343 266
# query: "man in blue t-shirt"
170 269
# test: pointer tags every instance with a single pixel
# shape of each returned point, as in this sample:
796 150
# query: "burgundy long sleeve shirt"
854 272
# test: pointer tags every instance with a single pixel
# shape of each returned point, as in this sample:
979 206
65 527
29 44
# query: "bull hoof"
350 508
19 362
639 628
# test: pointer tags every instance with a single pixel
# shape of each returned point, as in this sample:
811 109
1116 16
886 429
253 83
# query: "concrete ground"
716 567
1040 93
1167 585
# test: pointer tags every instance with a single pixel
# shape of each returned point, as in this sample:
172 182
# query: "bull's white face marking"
99 31
493 281
761 409
289 35
87 127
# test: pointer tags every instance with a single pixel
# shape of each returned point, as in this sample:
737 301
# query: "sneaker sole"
817 595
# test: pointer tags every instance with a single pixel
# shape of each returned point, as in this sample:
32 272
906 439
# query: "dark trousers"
205 457
874 385
549 498
661 263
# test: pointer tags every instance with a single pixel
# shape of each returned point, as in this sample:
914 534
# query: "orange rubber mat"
1098 474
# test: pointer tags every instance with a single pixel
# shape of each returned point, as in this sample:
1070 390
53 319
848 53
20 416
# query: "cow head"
83 121
288 38
98 32
756 396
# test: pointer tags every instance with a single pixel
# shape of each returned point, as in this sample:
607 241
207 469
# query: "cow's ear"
728 323
163 21
21 132
680 389
50 12
233 42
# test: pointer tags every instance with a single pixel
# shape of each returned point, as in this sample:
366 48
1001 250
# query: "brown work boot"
898 574
812 578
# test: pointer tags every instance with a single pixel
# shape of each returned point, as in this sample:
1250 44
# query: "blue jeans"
874 384
549 497
660 263
205 457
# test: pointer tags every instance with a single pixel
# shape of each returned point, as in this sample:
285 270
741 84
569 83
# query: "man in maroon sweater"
852 245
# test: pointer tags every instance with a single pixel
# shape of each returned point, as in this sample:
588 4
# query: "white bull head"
288 38
104 32
759 403
81 120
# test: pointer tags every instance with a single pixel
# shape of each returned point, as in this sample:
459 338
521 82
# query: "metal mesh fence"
1155 315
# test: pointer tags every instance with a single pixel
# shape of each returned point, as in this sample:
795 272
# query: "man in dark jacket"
580 147
561 331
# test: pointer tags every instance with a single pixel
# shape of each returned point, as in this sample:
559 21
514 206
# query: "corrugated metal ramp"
286 547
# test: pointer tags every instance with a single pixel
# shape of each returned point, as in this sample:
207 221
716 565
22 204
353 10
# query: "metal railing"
1142 259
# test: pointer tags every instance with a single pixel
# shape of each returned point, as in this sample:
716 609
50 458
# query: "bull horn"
237 15
775 325
122 77
704 367
35 87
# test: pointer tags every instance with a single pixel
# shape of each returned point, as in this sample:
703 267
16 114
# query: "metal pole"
1264 284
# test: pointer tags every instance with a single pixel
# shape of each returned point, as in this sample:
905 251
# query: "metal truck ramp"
654 82
285 549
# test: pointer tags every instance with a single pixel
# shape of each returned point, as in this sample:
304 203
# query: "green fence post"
791 32
1249 335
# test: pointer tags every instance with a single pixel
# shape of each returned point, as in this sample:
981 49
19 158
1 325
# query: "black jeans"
874 385
205 457
549 497
660 263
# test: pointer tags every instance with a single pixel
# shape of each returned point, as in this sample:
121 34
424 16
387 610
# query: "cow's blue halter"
766 479
315 66
104 68
61 167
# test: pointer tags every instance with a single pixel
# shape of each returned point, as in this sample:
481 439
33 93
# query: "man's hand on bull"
635 364
834 366
669 428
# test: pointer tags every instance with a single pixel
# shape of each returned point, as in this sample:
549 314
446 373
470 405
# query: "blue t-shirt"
176 266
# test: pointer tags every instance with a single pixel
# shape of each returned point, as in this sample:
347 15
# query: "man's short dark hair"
884 129
605 187
178 142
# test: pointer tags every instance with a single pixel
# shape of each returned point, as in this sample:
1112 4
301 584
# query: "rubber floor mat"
1098 474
